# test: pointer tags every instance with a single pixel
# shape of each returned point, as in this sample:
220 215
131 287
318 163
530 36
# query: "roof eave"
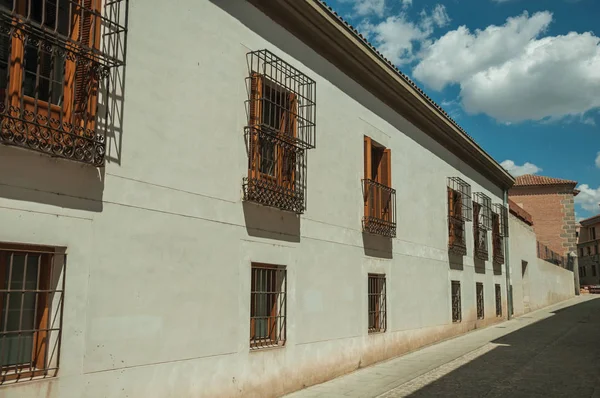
313 23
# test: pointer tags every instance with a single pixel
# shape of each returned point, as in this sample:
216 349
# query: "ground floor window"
498 300
377 303
31 298
479 295
456 303
267 306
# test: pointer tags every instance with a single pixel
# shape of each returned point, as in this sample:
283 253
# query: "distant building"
550 201
587 249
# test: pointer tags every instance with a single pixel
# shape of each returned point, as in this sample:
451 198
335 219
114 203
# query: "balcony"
55 59
456 236
380 209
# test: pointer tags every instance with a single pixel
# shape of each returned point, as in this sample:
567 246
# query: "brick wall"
553 212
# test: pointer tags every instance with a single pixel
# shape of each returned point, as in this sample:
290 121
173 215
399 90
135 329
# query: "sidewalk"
529 356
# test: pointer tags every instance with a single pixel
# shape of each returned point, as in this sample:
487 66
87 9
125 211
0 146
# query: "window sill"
267 347
14 377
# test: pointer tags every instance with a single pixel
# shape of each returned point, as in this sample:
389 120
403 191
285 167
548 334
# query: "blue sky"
521 76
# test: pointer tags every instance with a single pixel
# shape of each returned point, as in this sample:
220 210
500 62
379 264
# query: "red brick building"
550 201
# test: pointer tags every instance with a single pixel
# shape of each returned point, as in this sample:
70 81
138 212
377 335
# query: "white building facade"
237 199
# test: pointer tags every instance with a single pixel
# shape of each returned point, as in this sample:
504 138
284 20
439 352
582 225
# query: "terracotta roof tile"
530 179
590 220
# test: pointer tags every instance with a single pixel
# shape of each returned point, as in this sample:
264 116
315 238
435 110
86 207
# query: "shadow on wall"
557 357
33 177
479 265
377 246
262 25
456 261
271 223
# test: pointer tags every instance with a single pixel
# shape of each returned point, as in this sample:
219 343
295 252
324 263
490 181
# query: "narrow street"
553 352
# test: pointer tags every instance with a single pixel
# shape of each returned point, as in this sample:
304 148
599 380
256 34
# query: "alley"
553 352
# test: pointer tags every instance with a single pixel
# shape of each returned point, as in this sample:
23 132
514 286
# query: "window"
50 52
479 296
583 270
580 272
377 303
593 232
498 300
594 270
499 232
482 223
31 309
589 250
459 199
456 303
581 252
267 306
379 197
281 127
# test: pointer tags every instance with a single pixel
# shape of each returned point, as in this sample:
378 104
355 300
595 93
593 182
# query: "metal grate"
456 302
479 297
498 300
547 254
287 91
55 57
460 199
377 303
267 306
281 127
482 223
31 303
380 201
497 240
502 212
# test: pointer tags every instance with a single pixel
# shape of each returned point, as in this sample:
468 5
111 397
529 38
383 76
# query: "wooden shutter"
289 129
256 94
385 178
367 176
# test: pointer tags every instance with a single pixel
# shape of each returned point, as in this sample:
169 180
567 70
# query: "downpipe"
509 297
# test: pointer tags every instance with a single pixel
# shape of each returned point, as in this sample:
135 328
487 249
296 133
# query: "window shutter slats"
255 111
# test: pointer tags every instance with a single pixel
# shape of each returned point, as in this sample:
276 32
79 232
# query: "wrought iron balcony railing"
481 243
456 236
55 58
276 171
498 243
380 209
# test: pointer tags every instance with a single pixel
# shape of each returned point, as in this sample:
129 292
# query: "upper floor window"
482 223
378 195
459 211
281 127
31 297
593 233
51 65
499 232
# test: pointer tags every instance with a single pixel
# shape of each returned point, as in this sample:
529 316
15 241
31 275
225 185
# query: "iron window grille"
456 302
31 307
482 223
55 57
498 300
268 306
459 211
377 303
380 208
281 128
499 232
479 296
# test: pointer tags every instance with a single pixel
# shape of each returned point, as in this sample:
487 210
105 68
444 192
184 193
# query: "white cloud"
511 74
367 7
406 3
598 160
516 170
588 198
396 36
460 54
